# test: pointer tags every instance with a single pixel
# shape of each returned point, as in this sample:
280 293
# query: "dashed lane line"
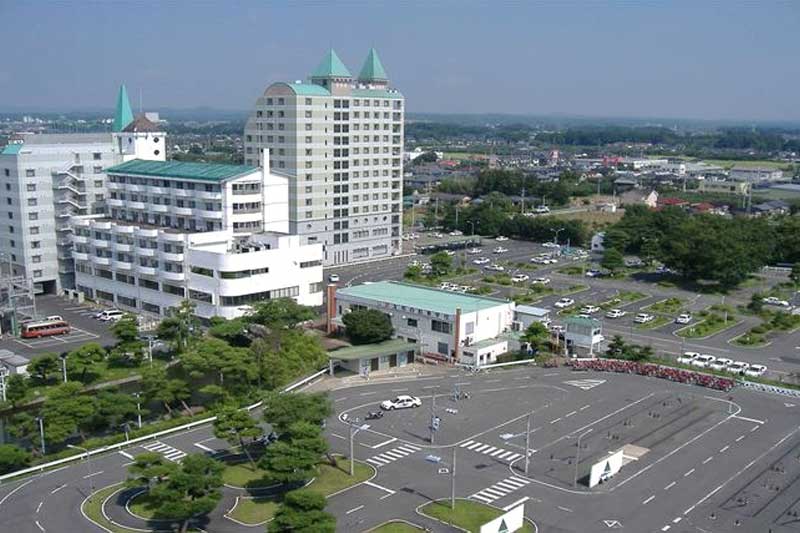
648 500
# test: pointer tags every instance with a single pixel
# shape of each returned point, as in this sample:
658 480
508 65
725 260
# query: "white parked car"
755 371
771 300
564 302
615 313
456 233
518 278
541 281
683 318
500 238
594 273
643 318
542 209
333 278
589 309
450 252
738 367
109 315
720 364
481 261
495 267
688 357
703 360
401 402
500 250
551 245
474 251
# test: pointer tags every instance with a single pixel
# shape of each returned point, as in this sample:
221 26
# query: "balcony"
150 233
146 270
156 190
172 237
80 256
80 239
158 208
183 193
123 229
100 243
122 265
101 260
101 224
185 211
131 204
122 247
173 276
205 195
113 186
145 252
169 256
218 214
134 188
115 202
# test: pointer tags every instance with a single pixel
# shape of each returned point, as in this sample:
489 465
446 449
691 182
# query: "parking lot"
690 455
84 328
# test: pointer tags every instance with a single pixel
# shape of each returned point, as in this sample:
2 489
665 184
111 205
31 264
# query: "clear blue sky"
696 59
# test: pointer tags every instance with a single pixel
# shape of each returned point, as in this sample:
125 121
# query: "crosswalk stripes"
392 455
500 489
173 454
492 451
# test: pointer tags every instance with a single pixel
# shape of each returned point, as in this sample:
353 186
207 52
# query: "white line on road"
430 387
648 500
570 414
399 390
493 380
707 459
550 374
754 420
39 507
368 393
203 447
724 449
689 473
754 428
87 476
338 436
739 438
379 487
677 520
670 485
555 420
565 509
354 509
584 407
665 528
126 455
384 443
39 526
54 490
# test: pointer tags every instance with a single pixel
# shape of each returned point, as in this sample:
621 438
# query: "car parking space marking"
171 454
755 421
648 500
724 449
354 509
754 428
395 454
708 459
492 451
689 473
500 489
671 485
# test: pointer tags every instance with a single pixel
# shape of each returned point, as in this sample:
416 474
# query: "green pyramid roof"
123 115
331 67
372 69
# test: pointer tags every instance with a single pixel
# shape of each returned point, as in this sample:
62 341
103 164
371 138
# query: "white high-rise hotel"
340 142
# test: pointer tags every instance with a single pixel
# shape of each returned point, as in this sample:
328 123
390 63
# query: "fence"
496 365
120 445
770 389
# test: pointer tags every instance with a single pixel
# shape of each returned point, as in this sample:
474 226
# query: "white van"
110 315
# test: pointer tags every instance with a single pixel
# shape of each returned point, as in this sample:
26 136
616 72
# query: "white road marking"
670 485
756 421
379 487
689 473
566 509
338 436
203 447
354 509
724 449
125 455
87 476
384 443
570 414
399 390
665 528
521 500
707 459
555 420
677 520
754 428
648 500
52 491
39 525
39 507
584 407
368 393
739 438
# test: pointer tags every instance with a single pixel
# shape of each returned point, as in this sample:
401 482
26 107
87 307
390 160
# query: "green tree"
16 388
182 492
538 336
179 328
280 313
66 412
230 366
84 361
282 410
612 260
302 511
113 410
365 326
235 425
286 356
12 458
129 347
756 304
158 387
43 366
441 264
294 458
234 331
617 347
25 427
413 272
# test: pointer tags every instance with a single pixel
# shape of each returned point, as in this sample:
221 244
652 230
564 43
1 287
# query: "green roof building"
123 114
329 132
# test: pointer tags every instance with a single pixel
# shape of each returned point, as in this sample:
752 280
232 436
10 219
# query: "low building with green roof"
365 358
444 323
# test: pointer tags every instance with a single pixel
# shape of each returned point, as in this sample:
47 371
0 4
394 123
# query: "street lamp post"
40 420
556 232
453 481
90 477
528 441
138 409
354 428
64 366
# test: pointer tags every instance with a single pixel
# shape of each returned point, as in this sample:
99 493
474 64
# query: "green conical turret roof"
123 115
331 67
373 68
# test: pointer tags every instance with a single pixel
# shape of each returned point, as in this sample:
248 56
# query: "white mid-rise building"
339 139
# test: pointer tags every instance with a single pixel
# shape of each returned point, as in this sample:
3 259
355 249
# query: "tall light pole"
354 428
64 366
434 425
556 232
90 477
453 481
578 457
138 409
528 441
40 420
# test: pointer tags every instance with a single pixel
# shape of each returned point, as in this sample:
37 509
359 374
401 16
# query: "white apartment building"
46 179
215 234
452 326
339 139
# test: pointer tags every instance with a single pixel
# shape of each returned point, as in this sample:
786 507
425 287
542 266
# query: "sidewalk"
411 371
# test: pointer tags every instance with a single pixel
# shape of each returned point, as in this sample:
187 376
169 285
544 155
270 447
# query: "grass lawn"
670 306
93 509
572 289
467 514
254 511
751 340
243 475
762 163
396 527
571 270
142 505
711 324
657 322
335 478
631 296
596 219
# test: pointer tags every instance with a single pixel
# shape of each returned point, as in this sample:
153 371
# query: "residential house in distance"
772 207
755 175
739 188
639 197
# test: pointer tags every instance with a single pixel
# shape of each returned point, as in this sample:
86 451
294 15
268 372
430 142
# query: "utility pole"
354 428
453 481
41 431
528 441
433 416
64 366
90 476
138 409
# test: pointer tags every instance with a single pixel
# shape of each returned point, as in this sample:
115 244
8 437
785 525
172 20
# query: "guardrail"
771 389
495 365
120 445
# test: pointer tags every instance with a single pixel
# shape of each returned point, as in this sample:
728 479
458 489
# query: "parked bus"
44 328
